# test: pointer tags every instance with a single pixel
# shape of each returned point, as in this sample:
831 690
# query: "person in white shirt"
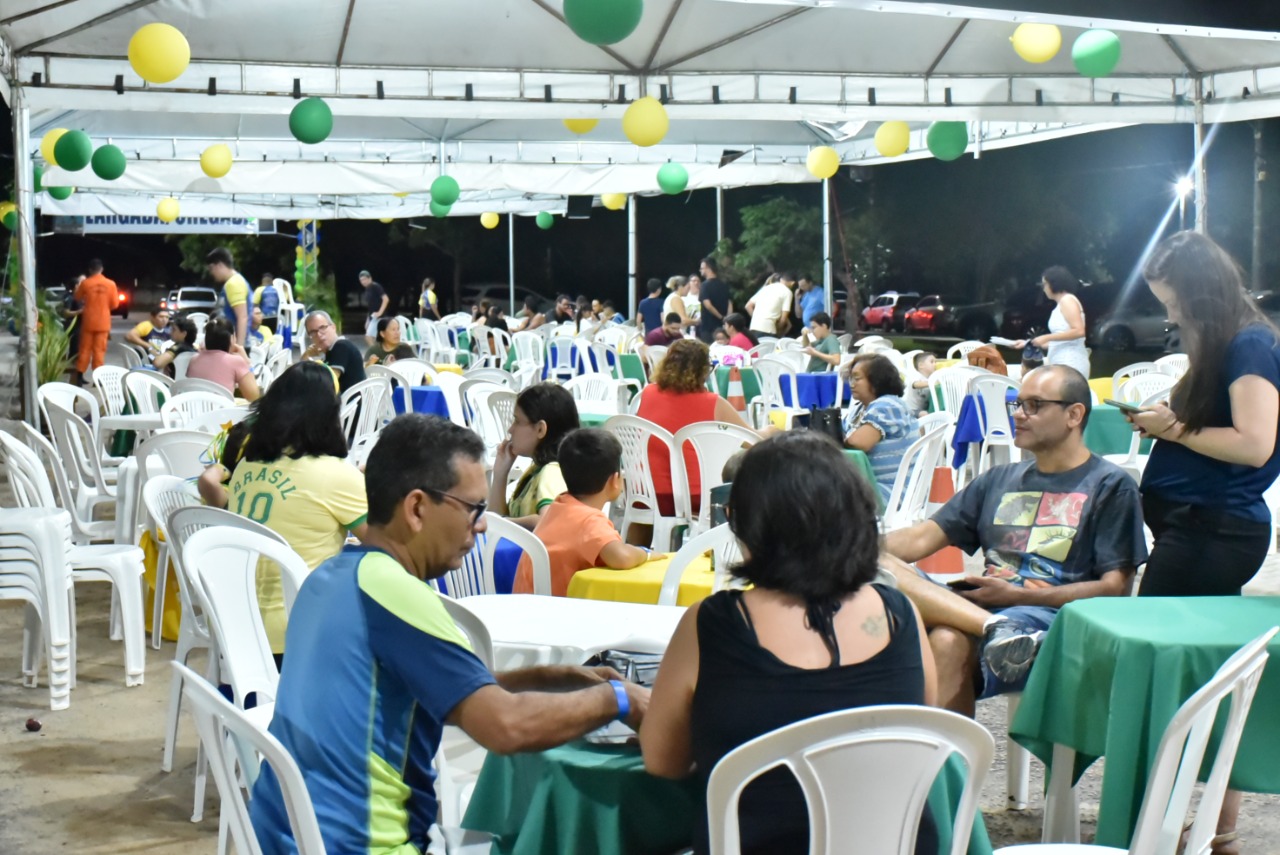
770 308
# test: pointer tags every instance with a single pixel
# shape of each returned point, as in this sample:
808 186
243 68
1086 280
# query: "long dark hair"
1213 306
297 417
547 402
818 545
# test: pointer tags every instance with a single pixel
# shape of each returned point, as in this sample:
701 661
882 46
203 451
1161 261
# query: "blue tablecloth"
969 428
427 400
815 390
506 560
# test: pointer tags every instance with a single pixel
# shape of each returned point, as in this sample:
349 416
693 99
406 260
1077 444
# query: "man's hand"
992 592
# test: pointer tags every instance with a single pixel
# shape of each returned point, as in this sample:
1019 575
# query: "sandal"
1216 844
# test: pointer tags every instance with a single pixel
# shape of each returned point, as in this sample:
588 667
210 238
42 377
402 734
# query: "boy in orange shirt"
574 528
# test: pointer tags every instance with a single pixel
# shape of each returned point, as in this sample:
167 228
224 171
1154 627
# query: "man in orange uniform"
98 295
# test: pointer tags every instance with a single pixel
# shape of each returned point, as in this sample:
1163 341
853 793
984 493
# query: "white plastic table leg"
1061 811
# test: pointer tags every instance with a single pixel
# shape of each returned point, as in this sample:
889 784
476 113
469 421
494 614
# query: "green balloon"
310 121
61 193
1096 53
544 220
603 22
11 221
948 140
438 210
73 151
673 178
37 176
108 162
445 190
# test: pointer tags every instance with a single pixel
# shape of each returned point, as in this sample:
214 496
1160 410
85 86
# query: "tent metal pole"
25 200
511 261
719 214
827 285
631 257
1202 173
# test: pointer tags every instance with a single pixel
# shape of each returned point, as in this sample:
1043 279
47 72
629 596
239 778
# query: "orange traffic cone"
949 560
735 396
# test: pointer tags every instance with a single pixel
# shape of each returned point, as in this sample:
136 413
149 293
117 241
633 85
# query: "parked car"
192 299
1136 324
886 311
935 315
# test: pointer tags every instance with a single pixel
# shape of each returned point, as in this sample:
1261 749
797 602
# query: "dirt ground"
89 781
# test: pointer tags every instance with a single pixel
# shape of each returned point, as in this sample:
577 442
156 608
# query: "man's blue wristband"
624 703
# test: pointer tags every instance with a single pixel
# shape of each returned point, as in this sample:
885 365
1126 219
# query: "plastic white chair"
414 372
180 452
214 421
1175 364
1134 369
832 757
492 345
84 528
766 347
560 355
120 355
72 398
963 349
772 372
109 381
451 385
358 454
277 365
366 407
530 349
640 502
78 450
200 319
1142 387
196 384
869 340
991 391
948 388
475 576
723 546
183 407
148 389
796 360
652 356
500 376
598 394
1134 462
713 444
1172 780
181 363
221 725
909 498
161 496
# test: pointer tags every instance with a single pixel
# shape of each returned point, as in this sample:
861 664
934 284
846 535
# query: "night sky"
1134 168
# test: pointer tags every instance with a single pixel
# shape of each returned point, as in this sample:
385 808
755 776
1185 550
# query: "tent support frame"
25 201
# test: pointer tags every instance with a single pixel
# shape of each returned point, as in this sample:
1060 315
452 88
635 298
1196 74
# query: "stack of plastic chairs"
34 569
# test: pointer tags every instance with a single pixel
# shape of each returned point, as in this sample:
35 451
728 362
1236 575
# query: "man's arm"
133 338
555 678
510 722
242 322
918 541
992 592
382 309
710 307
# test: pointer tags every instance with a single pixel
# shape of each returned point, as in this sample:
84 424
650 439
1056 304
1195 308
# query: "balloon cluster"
1095 53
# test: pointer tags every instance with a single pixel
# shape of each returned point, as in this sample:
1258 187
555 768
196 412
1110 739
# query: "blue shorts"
1030 618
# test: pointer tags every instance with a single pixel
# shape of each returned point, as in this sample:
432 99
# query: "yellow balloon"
6 208
159 53
387 219
216 160
401 195
614 201
48 142
168 210
893 138
645 123
490 220
1037 42
823 162
581 126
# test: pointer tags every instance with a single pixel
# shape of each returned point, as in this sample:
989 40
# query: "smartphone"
1120 405
961 585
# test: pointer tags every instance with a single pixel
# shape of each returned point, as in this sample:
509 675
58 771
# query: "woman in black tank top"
812 636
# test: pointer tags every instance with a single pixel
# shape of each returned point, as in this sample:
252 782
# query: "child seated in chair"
574 527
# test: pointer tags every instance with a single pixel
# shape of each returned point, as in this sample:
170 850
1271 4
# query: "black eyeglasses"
1031 406
477 509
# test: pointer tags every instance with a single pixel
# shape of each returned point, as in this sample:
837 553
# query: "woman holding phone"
1216 439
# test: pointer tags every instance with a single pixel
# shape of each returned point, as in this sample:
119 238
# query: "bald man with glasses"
1061 526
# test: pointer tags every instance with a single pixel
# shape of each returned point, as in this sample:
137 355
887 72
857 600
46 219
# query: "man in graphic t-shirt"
1063 526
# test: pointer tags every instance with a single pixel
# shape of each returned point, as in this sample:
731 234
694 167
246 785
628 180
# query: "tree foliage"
254 255
777 235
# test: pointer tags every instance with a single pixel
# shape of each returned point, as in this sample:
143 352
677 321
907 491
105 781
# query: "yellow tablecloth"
448 366
642 584
1102 387
172 619
948 363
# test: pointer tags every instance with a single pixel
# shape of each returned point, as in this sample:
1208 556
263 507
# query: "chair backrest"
596 393
722 545
415 372
68 397
185 521
713 444
27 477
358 454
796 360
451 386
832 757
475 576
492 344
948 387
278 364
635 434
963 349
869 340
48 460
182 407
197 384
560 357
501 376
219 724
163 495
929 421
771 373
374 407
181 452
910 494
148 389
1133 370
78 448
121 355
474 391
200 319
993 416
1174 364
1172 780
109 381
473 628
764 348
214 421
224 562
396 378
652 355
530 348
1144 386
181 363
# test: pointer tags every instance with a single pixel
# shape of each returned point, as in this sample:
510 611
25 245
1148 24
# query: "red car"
886 310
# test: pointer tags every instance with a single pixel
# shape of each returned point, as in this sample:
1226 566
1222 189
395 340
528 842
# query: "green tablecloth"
592 420
1112 672
588 798
633 368
750 387
1109 432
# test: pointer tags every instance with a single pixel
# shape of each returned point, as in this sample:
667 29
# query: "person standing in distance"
98 296
716 305
233 302
375 300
